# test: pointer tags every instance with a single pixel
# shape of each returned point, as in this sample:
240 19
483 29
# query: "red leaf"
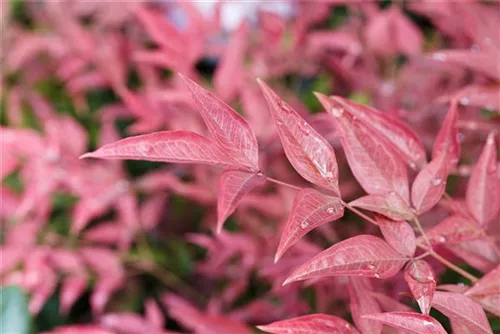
484 62
462 309
429 185
447 144
308 152
226 83
168 146
71 289
229 129
422 282
409 322
399 234
390 205
402 138
454 229
363 303
311 324
483 190
373 161
490 303
390 304
81 329
233 186
488 284
486 96
362 255
310 209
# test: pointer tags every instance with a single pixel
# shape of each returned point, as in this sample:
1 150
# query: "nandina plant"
323 167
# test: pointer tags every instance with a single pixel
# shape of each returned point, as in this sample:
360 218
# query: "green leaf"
14 315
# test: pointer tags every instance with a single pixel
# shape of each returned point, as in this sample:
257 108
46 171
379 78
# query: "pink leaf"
446 144
429 185
390 304
363 303
401 137
308 152
454 229
399 234
229 129
310 209
80 329
373 161
422 282
153 315
390 205
233 186
485 96
311 324
490 303
488 284
226 83
484 62
71 289
409 322
167 146
103 289
462 309
362 255
483 191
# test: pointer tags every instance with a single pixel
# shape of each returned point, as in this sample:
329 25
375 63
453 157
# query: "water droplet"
442 239
461 284
465 101
439 56
436 181
330 210
413 165
308 132
490 140
279 122
376 275
337 112
371 267
304 225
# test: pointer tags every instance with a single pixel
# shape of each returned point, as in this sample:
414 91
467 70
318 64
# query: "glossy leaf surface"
233 186
310 209
462 309
228 129
483 191
362 255
422 282
308 152
167 146
311 324
409 322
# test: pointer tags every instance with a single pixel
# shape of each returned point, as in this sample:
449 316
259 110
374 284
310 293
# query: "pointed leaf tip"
310 210
362 255
309 153
234 185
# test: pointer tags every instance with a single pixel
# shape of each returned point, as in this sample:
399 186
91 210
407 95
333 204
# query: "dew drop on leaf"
436 181
337 112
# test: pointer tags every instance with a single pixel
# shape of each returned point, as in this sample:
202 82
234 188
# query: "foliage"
360 168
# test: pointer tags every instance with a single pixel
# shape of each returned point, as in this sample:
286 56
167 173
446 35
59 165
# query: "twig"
453 267
270 179
359 213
